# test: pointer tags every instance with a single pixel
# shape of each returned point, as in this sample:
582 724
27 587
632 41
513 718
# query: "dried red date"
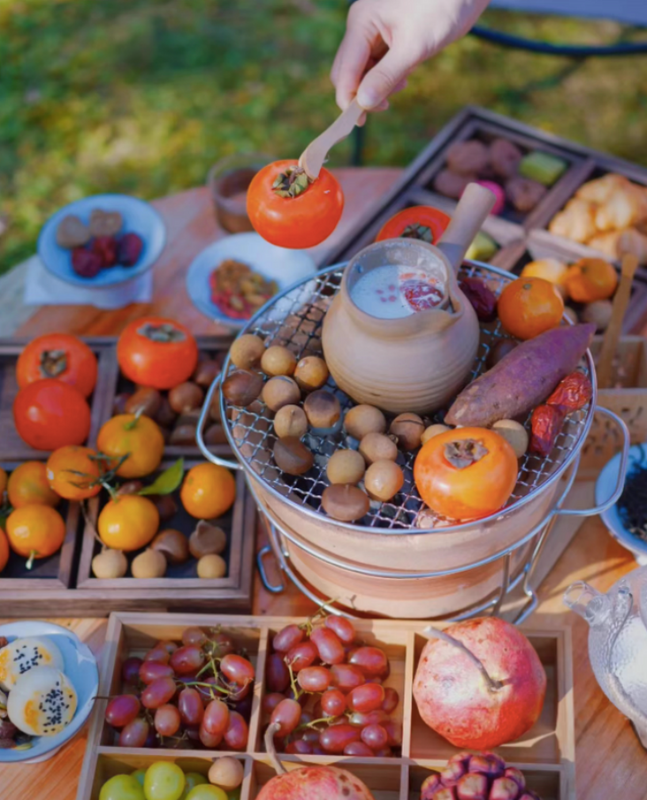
85 263
546 425
105 247
129 249
482 299
571 394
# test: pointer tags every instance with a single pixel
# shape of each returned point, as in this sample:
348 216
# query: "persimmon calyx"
291 183
52 363
163 333
464 452
418 231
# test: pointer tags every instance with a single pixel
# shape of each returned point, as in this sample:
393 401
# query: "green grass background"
142 96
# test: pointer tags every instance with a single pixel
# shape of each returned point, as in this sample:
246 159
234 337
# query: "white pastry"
42 702
22 655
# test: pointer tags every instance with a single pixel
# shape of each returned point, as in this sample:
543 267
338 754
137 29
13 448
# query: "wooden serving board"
545 754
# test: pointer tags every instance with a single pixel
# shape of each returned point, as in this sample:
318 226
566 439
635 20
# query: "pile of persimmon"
166 379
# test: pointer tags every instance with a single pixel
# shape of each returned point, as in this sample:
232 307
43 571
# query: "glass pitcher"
618 641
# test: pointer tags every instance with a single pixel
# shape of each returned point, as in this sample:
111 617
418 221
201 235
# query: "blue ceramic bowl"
80 666
139 217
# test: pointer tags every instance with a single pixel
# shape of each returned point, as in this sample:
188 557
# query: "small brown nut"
165 415
206 372
280 391
183 435
378 447
173 545
363 419
215 434
311 373
165 505
467 158
105 223
207 539
109 564
383 480
278 360
212 566
290 420
345 466
241 388
130 487
504 158
344 502
71 232
246 351
149 564
322 409
292 456
185 397
408 430
145 401
514 433
433 430
119 403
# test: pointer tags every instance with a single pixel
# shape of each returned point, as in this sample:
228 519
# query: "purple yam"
523 379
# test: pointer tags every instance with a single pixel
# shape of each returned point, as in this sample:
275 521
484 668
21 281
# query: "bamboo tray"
546 754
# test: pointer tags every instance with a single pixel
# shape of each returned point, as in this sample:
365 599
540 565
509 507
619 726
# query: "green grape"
121 787
139 776
234 794
164 781
192 779
206 792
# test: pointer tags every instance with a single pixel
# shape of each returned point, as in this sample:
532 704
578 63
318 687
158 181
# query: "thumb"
384 78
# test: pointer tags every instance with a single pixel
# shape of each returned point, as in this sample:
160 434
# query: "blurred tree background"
143 96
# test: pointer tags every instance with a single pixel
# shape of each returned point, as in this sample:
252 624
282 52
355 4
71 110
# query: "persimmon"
530 306
35 532
466 474
591 279
418 222
61 356
73 472
157 352
138 439
289 210
208 491
28 486
50 414
129 522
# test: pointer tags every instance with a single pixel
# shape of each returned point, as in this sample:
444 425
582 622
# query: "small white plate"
604 487
80 666
274 263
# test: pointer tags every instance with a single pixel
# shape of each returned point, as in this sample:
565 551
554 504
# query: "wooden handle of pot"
313 157
471 212
612 335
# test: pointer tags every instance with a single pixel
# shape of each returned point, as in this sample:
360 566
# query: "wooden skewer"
313 157
612 334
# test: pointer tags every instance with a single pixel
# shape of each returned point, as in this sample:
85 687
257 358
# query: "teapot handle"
469 216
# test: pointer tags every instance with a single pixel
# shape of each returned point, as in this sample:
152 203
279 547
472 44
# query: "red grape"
371 718
170 647
317 750
216 718
236 733
358 749
134 734
343 627
189 704
384 752
329 646
391 700
375 736
287 638
271 701
237 669
299 697
193 636
244 706
299 747
314 679
130 670
301 655
193 733
122 710
311 735
152 670
335 738
287 714
167 720
151 739
333 703
158 654
158 692
188 658
223 644
209 740
206 693
371 660
394 732
278 676
365 698
347 676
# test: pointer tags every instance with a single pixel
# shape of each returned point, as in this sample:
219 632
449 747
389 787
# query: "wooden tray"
180 588
12 447
546 754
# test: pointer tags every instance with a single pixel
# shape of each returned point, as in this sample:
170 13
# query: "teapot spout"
586 601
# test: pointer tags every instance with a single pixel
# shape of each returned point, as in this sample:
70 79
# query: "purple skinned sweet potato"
523 379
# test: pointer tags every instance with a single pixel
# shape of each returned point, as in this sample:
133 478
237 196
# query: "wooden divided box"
545 754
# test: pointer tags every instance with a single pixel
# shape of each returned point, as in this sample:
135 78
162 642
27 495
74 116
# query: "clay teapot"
416 362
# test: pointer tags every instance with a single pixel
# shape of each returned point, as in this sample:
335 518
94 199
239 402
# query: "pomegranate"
479 684
315 783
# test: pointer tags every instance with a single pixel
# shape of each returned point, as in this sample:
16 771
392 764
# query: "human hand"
386 39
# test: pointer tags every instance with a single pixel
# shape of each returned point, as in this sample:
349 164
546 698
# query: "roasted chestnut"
344 502
322 409
378 447
280 391
290 420
408 430
363 419
383 480
185 397
278 360
292 456
345 466
145 401
241 388
246 351
311 373
206 372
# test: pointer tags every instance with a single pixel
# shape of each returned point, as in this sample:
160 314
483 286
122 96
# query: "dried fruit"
481 298
71 233
105 223
129 249
546 424
106 248
85 263
476 777
572 393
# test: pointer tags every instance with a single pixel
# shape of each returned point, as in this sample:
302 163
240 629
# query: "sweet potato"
523 379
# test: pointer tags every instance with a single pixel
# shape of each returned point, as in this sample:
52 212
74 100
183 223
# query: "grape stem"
313 723
272 728
434 633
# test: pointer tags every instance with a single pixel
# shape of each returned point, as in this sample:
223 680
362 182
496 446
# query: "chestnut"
241 388
292 456
383 480
246 351
408 430
185 397
145 401
278 360
206 372
378 447
290 420
311 373
280 391
344 502
165 415
363 419
322 409
345 466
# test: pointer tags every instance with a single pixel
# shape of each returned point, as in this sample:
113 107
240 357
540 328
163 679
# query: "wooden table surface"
610 761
